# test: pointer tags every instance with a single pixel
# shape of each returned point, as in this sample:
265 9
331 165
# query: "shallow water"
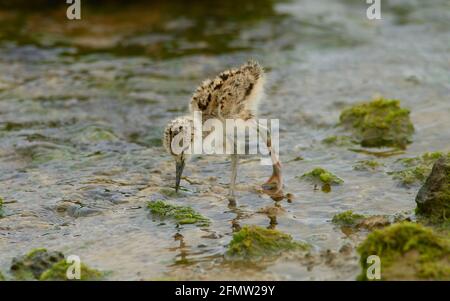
83 105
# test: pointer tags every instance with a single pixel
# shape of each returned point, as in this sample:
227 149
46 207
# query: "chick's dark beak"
179 172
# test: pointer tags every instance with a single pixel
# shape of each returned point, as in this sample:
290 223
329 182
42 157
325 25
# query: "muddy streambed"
82 108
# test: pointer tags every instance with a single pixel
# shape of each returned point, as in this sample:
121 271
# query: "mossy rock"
58 272
255 242
381 122
2 278
41 264
347 218
33 264
2 211
433 199
322 176
407 251
180 214
415 170
357 221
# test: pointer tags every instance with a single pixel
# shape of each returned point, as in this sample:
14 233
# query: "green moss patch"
2 278
407 251
58 272
347 218
367 165
182 215
341 141
255 242
322 176
412 171
381 122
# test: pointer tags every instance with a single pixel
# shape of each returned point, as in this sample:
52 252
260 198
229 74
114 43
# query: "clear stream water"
83 105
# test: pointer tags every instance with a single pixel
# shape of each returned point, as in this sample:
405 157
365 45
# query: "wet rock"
346 249
433 199
381 122
272 210
255 242
373 222
407 251
33 264
212 235
416 170
58 272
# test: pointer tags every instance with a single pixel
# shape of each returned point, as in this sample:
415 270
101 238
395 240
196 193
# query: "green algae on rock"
33 264
433 199
181 214
2 278
367 165
357 221
407 251
381 122
58 272
320 175
255 242
415 170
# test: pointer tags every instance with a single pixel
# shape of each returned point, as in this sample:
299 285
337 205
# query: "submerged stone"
255 242
433 199
381 122
407 251
180 214
367 165
33 264
416 170
58 272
